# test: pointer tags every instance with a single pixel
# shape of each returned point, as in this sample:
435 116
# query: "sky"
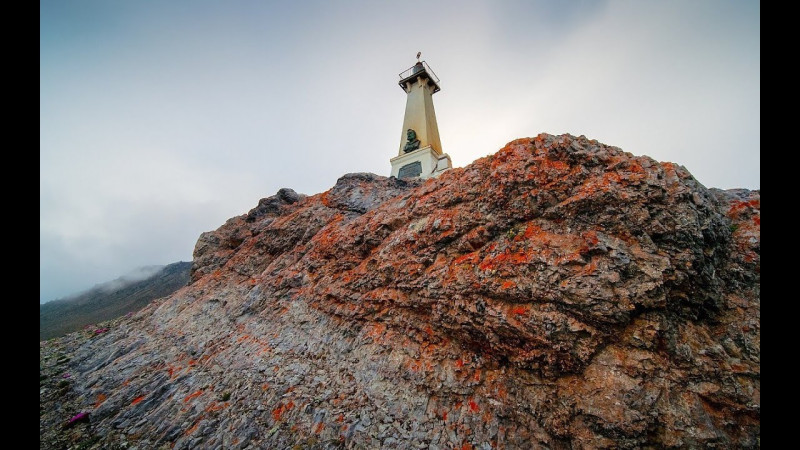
159 121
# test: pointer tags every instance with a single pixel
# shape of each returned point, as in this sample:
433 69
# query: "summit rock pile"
560 293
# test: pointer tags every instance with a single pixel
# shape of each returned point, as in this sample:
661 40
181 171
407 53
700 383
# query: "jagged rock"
361 192
289 195
560 293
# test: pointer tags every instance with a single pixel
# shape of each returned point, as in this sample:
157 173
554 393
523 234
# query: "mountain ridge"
106 301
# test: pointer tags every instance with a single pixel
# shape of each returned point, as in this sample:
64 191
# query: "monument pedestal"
423 163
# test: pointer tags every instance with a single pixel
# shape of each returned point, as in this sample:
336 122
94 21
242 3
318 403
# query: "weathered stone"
289 195
560 293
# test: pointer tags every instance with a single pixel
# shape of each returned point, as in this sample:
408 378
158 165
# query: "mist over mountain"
111 299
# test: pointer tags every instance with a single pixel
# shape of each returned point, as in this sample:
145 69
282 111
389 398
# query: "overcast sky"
160 120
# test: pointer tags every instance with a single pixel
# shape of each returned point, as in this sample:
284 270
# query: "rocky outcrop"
560 293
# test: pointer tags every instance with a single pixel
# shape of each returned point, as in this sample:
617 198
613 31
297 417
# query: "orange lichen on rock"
277 413
214 406
469 258
193 395
590 268
737 207
506 257
376 331
556 164
193 428
519 310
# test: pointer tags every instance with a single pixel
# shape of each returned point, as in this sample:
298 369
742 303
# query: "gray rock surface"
560 293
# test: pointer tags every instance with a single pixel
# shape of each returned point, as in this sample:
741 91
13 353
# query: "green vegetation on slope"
100 303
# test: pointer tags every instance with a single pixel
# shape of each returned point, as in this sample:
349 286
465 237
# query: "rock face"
560 293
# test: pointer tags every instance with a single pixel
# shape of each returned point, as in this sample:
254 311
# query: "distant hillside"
110 300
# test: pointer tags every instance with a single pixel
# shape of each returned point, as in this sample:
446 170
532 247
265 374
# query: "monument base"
422 163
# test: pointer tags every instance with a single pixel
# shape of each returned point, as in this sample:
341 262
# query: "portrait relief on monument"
412 143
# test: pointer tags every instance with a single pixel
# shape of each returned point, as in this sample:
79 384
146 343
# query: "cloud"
161 120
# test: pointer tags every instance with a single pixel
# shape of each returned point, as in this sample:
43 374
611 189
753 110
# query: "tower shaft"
420 115
420 154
